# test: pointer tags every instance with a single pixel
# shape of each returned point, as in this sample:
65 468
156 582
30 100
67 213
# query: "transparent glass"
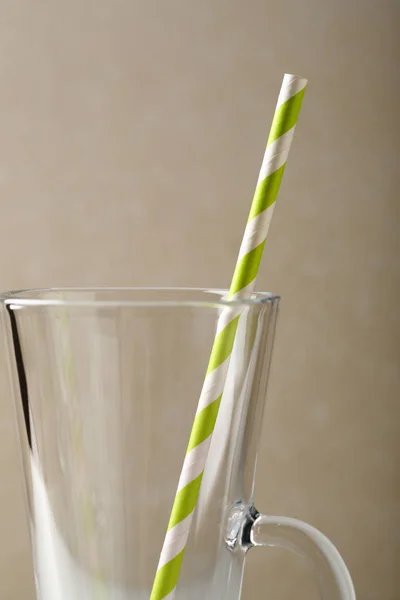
106 383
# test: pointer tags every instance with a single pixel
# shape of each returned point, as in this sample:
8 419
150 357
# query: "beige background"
131 135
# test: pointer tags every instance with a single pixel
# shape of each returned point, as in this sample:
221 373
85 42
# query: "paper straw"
242 285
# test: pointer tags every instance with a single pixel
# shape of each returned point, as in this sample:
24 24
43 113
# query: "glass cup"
106 384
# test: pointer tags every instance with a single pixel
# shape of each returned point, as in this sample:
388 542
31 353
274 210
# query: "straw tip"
291 79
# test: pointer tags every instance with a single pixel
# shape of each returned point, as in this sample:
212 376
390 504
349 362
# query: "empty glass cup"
106 384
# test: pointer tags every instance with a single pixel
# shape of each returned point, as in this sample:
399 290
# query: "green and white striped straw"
242 286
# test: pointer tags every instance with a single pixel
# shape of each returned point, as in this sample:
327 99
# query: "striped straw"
242 286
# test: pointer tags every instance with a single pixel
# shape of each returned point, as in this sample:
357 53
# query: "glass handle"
334 579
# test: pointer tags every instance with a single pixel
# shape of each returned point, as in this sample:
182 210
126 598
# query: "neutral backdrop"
131 134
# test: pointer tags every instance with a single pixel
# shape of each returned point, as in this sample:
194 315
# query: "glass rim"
30 297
